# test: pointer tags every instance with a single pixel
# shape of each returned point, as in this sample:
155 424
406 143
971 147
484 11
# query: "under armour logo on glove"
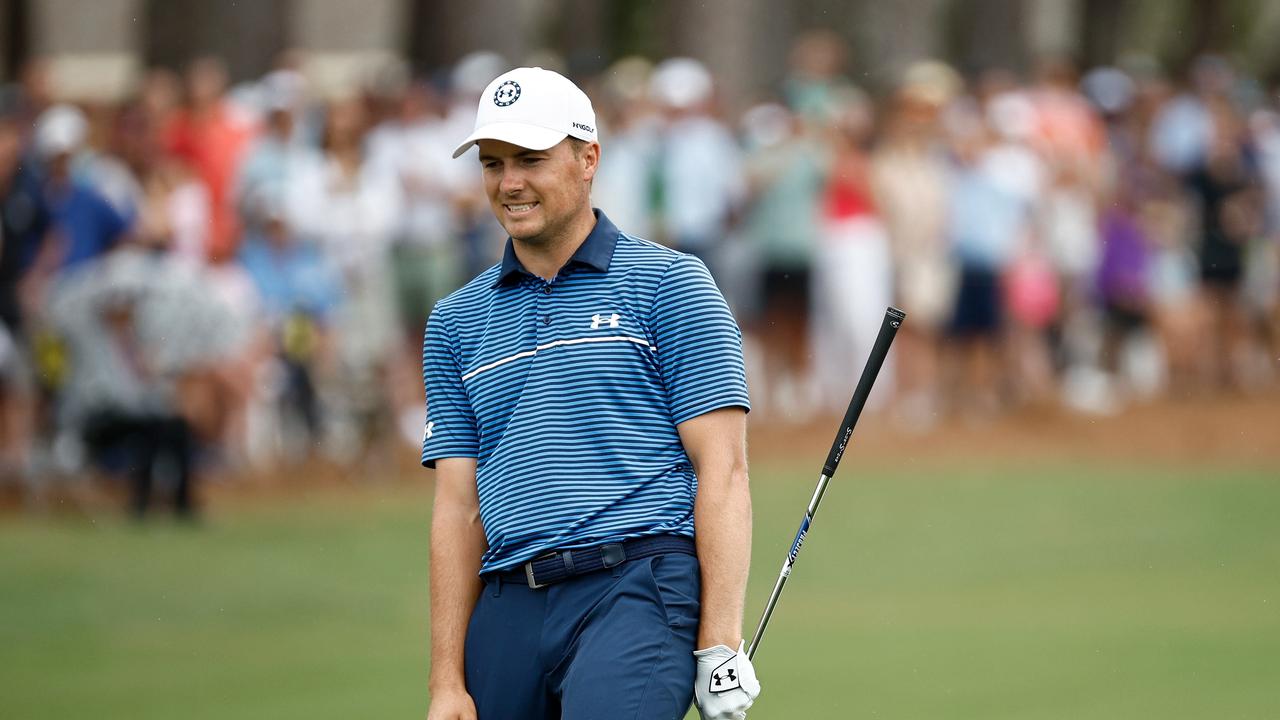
725 677
726 683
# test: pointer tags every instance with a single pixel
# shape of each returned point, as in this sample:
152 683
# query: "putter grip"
893 319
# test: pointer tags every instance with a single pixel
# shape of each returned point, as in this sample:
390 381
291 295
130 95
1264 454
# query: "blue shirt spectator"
986 220
291 278
88 225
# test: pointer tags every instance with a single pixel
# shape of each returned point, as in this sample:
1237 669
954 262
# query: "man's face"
535 194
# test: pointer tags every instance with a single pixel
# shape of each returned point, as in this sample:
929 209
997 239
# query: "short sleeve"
698 343
451 425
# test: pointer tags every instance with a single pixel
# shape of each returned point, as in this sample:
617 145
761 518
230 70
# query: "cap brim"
531 137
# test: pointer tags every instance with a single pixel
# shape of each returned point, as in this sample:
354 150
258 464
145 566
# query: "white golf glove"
726 684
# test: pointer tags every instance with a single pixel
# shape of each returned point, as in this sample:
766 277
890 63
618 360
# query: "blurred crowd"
207 275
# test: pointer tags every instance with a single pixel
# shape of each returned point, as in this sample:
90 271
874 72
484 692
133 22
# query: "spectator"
910 176
699 164
852 267
1261 283
1123 275
139 332
1183 129
34 93
815 85
278 163
24 220
353 220
784 175
988 219
414 148
212 135
1230 218
172 225
1030 288
84 225
300 292
625 184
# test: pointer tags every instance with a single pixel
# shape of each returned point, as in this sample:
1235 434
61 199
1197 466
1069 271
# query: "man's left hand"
726 684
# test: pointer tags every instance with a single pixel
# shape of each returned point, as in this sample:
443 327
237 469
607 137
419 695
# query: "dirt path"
1239 431
1211 432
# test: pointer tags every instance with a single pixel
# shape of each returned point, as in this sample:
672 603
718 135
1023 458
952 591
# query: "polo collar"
594 252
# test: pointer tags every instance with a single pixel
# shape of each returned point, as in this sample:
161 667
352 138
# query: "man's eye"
490 165
532 160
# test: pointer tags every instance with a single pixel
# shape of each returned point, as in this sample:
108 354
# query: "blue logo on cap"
507 93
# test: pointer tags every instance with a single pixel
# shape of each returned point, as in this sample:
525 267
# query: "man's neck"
545 257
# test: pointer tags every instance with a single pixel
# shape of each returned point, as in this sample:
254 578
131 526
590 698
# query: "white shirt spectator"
624 183
420 155
701 172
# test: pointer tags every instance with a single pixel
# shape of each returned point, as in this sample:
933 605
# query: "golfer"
586 403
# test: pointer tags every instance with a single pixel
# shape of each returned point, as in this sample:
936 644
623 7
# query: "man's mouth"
521 208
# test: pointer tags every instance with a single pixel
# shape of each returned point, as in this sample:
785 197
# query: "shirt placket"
543 316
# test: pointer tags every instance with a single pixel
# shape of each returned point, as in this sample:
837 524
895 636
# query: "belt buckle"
528 571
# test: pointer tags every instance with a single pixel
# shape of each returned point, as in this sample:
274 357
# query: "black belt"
560 565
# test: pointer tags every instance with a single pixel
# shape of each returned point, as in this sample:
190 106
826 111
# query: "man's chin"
523 231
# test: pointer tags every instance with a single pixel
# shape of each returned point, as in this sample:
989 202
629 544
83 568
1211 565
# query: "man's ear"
591 161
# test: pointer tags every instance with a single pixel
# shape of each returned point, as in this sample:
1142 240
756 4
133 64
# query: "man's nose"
512 181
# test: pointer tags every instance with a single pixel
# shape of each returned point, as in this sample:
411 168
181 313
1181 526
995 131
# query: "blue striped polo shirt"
568 392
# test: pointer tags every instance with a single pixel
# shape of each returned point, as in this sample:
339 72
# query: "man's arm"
457 543
716 442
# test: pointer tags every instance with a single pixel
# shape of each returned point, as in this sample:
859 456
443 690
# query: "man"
24 220
586 415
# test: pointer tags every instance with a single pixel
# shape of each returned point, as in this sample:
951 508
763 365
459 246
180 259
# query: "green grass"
1067 591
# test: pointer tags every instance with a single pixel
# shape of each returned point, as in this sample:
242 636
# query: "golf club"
893 318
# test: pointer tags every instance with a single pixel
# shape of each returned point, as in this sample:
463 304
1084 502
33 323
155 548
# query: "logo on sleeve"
598 320
725 677
427 431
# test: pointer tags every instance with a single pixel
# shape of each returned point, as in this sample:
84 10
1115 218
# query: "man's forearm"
722 519
457 543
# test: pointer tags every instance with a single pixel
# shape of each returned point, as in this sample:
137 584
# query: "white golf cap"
60 130
532 108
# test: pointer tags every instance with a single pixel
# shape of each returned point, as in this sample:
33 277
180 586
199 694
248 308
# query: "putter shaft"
893 319
786 564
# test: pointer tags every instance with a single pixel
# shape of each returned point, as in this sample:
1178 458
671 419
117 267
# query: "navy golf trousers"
617 644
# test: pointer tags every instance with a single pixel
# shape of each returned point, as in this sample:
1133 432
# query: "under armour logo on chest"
598 320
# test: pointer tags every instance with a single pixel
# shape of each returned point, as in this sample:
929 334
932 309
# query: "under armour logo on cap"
507 93
725 677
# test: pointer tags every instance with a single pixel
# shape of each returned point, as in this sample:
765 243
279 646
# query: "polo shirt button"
546 289
546 319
